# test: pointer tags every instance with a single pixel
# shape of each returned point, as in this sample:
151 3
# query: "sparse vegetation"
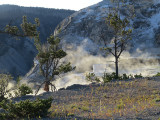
27 29
91 77
124 96
107 77
113 100
25 109
23 90
157 75
4 81
138 76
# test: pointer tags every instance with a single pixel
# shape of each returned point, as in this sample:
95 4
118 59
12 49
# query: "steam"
135 63
83 60
129 63
86 62
87 57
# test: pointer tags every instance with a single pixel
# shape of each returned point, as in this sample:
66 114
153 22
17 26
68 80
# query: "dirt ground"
136 99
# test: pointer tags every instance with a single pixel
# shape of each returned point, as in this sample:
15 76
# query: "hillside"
80 37
134 99
16 56
92 91
119 100
86 25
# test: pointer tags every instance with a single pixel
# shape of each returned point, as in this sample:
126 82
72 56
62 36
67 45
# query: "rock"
76 87
141 24
157 36
89 23
61 89
148 13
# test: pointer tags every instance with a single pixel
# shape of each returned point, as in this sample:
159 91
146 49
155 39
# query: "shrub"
157 99
138 76
108 77
125 77
24 90
131 76
26 109
157 75
91 77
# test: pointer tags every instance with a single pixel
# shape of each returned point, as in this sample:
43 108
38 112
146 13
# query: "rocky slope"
119 100
85 26
80 37
16 56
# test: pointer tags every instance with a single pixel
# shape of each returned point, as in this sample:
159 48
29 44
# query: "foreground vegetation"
138 98
131 97
127 97
25 109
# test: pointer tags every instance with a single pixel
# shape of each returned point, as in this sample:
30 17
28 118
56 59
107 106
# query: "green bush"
21 90
125 77
91 77
157 75
138 76
108 77
24 90
26 109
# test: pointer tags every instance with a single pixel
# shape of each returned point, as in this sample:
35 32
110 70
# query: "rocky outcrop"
157 36
16 56
89 23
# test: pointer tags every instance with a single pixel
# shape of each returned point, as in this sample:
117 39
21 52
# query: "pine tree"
121 34
50 59
26 29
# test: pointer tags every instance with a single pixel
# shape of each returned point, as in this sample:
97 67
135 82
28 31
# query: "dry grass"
122 99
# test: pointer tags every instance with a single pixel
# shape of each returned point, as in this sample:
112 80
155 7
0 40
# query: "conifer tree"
121 33
50 57
26 29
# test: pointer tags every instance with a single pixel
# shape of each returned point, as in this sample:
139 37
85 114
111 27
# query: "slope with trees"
16 56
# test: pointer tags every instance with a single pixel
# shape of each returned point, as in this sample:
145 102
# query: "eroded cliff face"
80 37
16 56
89 23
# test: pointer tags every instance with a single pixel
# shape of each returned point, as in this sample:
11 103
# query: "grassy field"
132 99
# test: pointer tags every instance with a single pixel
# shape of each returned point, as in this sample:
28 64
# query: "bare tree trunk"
116 56
116 66
46 86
